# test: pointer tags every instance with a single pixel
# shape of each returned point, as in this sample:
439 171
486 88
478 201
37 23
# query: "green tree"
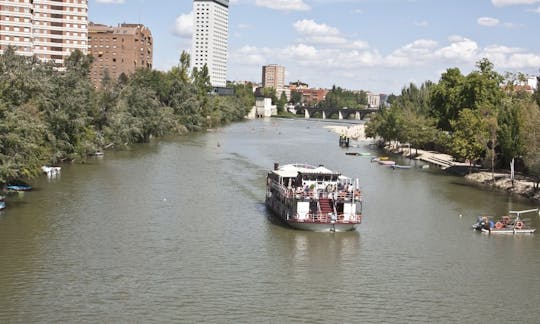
282 102
446 98
296 97
537 91
468 138
22 146
531 138
508 135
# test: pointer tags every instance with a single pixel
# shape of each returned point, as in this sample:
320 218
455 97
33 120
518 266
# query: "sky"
372 45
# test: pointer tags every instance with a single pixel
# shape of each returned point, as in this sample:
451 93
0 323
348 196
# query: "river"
176 231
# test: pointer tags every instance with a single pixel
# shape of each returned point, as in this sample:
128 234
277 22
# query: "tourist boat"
506 224
313 198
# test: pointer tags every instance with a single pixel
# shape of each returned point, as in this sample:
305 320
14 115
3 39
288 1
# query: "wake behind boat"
313 198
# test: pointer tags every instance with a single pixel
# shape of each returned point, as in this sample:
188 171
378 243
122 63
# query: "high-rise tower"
51 30
210 38
273 76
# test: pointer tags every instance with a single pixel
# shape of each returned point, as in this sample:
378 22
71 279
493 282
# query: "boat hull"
322 227
509 231
281 212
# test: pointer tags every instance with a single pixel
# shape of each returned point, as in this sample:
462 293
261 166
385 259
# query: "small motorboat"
387 162
18 188
399 166
506 224
352 153
379 158
50 170
2 203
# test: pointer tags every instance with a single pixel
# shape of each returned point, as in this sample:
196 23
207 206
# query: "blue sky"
372 45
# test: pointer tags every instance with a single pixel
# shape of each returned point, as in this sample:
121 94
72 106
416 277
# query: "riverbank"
522 185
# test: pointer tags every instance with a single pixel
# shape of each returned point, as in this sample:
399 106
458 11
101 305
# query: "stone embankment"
355 132
522 185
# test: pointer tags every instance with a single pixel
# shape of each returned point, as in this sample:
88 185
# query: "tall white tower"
210 38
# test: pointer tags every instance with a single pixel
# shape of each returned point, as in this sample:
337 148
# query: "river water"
176 231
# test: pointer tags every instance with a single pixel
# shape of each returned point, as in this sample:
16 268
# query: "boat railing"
335 195
328 217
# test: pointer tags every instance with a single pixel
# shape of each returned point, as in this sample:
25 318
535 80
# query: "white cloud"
315 33
323 54
502 3
285 5
415 53
183 26
488 21
310 27
110 1
510 57
460 49
250 55
422 24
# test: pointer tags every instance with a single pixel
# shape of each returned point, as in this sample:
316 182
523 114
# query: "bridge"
340 113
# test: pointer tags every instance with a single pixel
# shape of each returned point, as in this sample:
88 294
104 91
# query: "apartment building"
117 50
49 29
273 76
210 38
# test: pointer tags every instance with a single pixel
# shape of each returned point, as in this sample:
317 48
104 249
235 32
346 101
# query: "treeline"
47 116
481 117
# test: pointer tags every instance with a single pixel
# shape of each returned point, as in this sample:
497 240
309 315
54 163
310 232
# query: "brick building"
310 96
117 50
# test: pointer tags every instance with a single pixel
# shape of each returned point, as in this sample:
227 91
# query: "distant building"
311 97
50 30
210 38
532 82
273 76
264 107
118 50
298 85
374 100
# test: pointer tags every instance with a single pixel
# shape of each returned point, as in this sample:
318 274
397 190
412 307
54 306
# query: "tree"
490 121
531 138
282 102
445 99
70 110
482 87
537 91
22 146
468 137
508 135
296 97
